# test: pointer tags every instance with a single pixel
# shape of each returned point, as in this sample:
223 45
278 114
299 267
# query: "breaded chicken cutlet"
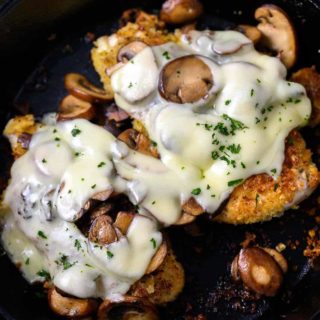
260 197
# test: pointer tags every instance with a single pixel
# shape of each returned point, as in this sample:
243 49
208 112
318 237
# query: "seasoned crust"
147 28
261 198
164 284
310 79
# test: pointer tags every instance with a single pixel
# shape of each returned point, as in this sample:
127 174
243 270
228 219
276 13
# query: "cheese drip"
206 149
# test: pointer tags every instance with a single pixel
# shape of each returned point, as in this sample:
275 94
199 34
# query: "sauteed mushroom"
185 219
123 221
278 33
128 51
185 80
180 11
251 32
258 270
129 308
73 108
158 258
70 307
80 87
102 231
278 257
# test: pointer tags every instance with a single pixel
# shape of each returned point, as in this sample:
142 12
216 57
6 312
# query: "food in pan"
211 127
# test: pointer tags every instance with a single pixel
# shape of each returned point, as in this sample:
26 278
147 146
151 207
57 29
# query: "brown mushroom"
138 141
128 51
185 219
251 32
185 80
73 108
278 33
123 221
80 87
102 195
102 231
158 258
192 207
259 271
70 307
278 257
129 308
180 11
235 270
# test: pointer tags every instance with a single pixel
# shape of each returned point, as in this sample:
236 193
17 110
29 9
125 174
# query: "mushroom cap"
251 32
70 306
259 271
72 107
185 80
180 11
80 87
278 33
128 51
102 231
158 258
128 308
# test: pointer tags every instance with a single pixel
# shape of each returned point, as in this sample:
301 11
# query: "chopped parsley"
101 164
234 182
196 191
42 235
93 186
110 254
27 261
154 243
166 55
235 124
44 274
274 170
154 144
153 202
258 80
56 139
65 263
251 92
276 186
75 131
234 149
130 85
243 165
54 130
227 102
44 160
77 244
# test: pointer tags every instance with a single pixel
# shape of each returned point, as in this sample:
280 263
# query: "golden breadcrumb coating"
261 198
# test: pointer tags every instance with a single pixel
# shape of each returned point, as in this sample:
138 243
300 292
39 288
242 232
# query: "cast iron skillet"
28 31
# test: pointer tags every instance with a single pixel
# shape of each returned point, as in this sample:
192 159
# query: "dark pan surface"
205 249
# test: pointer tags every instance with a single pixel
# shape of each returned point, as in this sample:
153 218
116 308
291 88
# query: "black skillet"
29 30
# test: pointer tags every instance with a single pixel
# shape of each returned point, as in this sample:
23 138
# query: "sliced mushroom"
128 51
180 11
116 114
259 271
24 140
80 87
278 33
235 270
158 258
278 257
102 231
185 219
73 108
185 80
192 207
102 195
70 307
129 308
138 141
251 32
123 221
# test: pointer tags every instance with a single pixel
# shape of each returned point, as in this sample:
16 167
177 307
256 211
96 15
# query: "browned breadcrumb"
310 79
274 196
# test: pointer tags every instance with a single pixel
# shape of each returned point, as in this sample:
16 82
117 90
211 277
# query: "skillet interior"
205 257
